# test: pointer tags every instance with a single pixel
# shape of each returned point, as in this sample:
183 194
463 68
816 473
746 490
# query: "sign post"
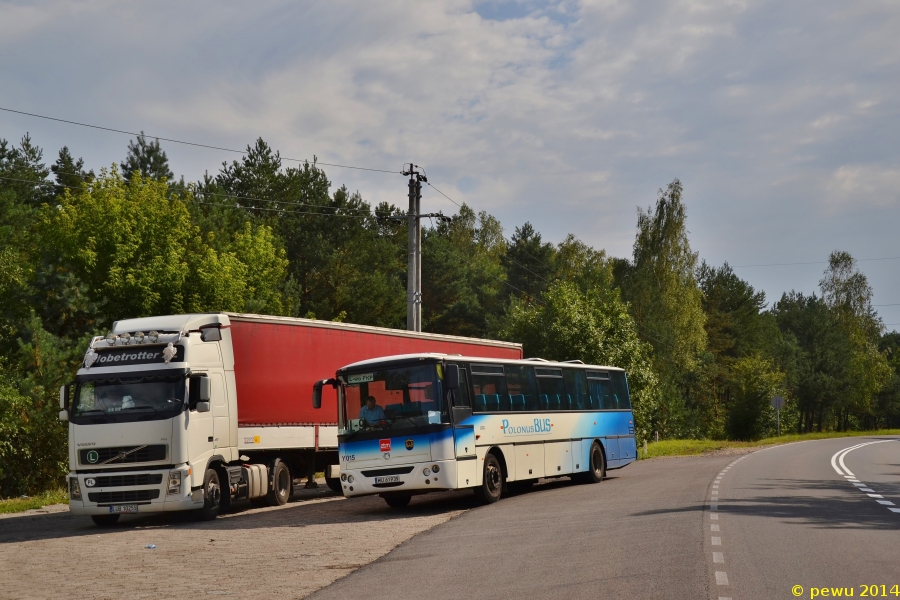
777 404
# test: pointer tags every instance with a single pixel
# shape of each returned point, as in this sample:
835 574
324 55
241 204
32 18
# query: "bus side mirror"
317 391
317 394
451 377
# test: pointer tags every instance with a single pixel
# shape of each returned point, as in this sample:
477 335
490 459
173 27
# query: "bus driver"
371 413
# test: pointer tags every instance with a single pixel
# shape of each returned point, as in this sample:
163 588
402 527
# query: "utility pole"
414 259
414 242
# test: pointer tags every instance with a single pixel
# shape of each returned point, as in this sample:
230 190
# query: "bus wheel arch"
596 471
493 484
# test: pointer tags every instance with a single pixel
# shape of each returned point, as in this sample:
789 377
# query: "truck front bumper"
107 490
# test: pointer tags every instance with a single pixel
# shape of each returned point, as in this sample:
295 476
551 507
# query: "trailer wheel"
105 520
398 500
212 496
282 484
334 484
492 484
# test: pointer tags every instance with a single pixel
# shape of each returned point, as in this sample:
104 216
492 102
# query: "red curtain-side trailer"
278 359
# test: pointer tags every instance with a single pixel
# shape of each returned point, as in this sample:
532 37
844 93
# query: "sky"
780 118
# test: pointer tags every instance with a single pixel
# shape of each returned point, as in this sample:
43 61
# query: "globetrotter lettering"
135 356
540 426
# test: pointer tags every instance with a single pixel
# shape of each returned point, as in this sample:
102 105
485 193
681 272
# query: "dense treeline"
704 351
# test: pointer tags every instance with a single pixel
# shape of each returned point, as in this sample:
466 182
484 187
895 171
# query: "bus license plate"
388 479
123 508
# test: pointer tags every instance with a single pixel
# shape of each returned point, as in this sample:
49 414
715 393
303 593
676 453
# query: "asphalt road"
742 527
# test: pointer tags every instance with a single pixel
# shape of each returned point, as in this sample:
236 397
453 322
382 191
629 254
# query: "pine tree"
148 159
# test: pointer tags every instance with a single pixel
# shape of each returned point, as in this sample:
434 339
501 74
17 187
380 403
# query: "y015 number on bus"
348 457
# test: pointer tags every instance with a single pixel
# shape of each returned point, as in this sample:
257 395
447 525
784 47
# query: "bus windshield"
394 398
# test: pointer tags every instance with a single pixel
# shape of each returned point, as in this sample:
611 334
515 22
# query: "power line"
815 262
174 141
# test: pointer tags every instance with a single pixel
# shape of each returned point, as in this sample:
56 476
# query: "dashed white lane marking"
837 463
719 557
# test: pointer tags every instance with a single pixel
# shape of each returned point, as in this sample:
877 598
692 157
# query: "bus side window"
551 389
463 396
576 388
489 387
620 389
521 388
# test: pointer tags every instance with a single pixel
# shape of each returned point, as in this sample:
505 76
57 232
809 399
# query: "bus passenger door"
466 463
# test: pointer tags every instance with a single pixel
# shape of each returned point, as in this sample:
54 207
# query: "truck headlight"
74 489
174 483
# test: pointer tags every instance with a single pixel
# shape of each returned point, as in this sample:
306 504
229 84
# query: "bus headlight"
435 468
74 489
343 477
426 471
174 483
349 478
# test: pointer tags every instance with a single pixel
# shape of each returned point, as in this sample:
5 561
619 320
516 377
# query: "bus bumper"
366 482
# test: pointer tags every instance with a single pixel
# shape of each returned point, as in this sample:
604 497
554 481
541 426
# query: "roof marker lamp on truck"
111 338
317 391
153 337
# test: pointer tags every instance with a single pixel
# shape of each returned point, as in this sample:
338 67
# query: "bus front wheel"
397 500
492 484
597 468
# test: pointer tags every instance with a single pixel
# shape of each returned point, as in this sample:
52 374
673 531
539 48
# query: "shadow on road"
824 504
308 507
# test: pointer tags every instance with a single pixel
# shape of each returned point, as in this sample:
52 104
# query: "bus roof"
436 356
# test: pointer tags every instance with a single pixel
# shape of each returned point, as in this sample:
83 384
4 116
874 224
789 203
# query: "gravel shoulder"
288 551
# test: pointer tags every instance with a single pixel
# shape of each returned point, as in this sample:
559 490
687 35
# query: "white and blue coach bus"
417 423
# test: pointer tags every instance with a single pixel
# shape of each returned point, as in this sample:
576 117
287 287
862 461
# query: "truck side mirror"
203 406
204 391
451 377
317 391
64 403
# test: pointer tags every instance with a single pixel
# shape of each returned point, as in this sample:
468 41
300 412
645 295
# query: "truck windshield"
388 399
128 399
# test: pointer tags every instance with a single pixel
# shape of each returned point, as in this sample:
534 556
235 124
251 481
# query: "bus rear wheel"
398 500
597 468
492 483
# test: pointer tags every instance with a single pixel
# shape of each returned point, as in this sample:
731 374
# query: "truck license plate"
388 479
123 508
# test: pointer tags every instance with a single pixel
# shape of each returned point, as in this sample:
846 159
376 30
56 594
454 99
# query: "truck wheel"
596 470
334 484
105 520
492 484
282 484
398 501
212 496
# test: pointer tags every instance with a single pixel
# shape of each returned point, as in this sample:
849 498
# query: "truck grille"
132 496
126 480
109 456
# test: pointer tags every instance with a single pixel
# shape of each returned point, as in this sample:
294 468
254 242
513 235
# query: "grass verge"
14 505
693 447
